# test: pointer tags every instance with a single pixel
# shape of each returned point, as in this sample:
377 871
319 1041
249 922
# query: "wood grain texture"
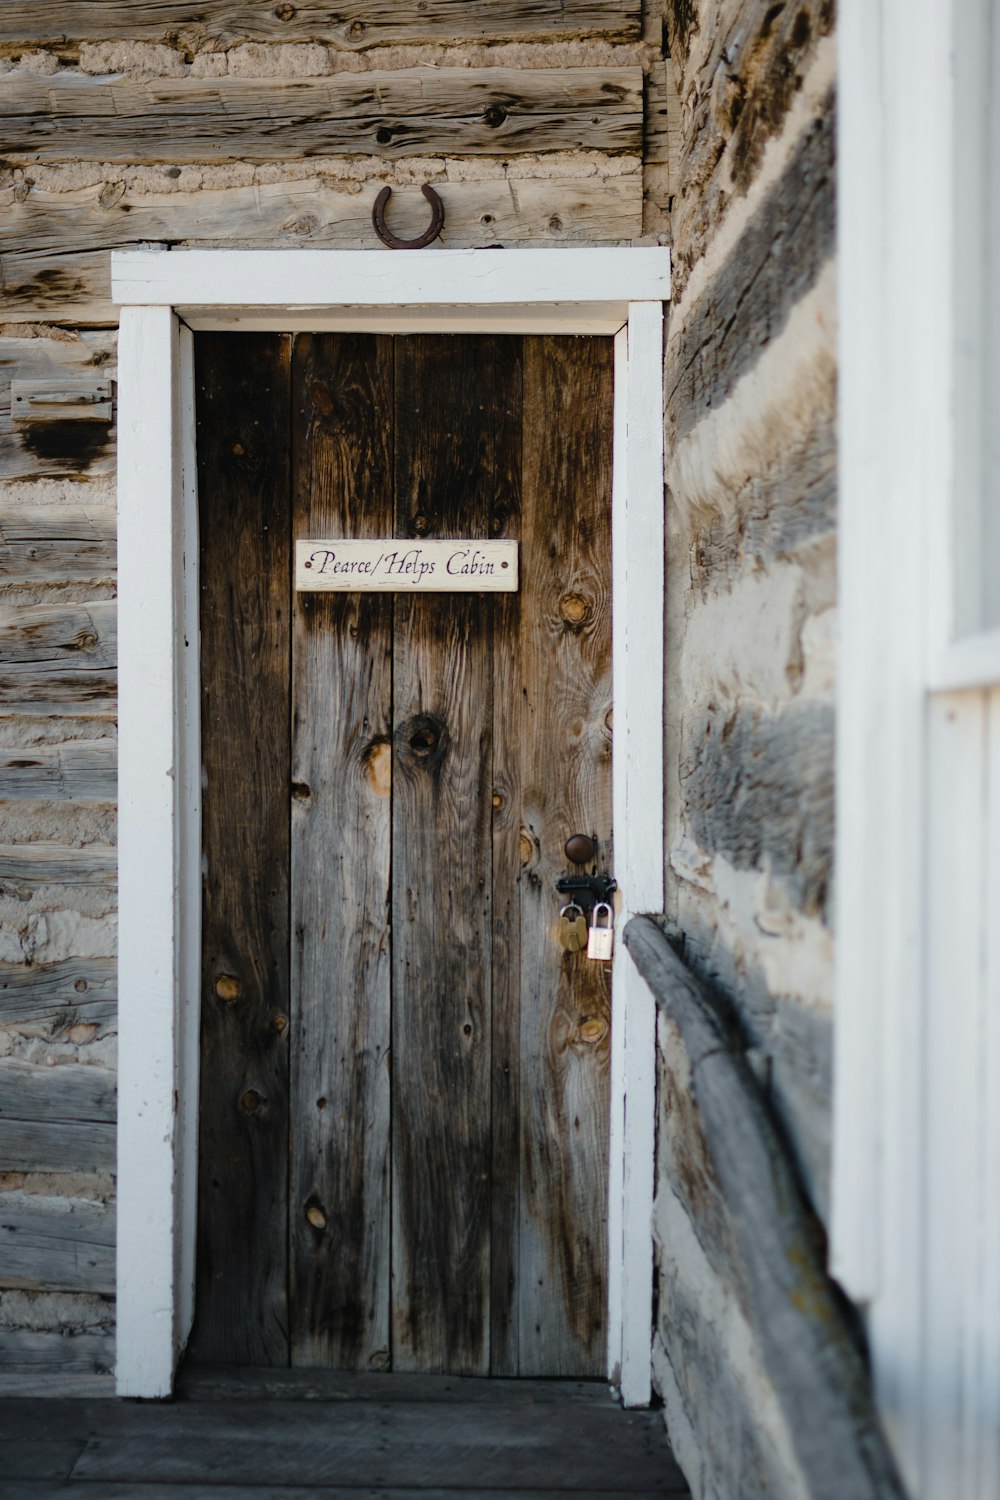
47 863
414 112
566 759
56 1244
58 659
77 771
57 1146
78 693
339 1212
72 1091
505 520
25 1352
354 25
243 395
42 638
422 1447
447 470
776 1250
74 989
31 450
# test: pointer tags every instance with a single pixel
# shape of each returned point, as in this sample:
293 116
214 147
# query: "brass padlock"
572 928
601 938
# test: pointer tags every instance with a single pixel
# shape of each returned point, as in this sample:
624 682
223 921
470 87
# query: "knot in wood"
574 608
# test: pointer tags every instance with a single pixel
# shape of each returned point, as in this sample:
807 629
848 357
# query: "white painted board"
403 565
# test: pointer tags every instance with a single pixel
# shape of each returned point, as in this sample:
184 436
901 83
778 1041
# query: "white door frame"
163 296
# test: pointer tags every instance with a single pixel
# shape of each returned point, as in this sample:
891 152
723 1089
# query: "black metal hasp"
587 890
392 240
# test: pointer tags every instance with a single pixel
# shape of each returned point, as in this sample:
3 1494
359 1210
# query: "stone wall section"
62 210
750 651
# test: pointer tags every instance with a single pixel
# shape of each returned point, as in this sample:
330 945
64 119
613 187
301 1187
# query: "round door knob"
580 849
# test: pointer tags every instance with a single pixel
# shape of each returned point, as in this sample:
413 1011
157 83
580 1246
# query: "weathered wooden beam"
809 1353
80 771
58 659
53 247
73 521
57 1145
76 695
414 112
44 637
75 989
28 563
70 1092
78 1365
354 24
56 1244
59 864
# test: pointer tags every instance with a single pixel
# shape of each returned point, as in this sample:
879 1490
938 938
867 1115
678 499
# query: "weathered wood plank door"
404 1102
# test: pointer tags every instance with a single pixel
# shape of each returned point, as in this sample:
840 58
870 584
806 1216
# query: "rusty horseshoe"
392 240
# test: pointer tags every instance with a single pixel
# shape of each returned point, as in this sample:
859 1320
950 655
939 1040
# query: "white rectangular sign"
404 564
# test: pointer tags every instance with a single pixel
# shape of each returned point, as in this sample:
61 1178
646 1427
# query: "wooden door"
404 1098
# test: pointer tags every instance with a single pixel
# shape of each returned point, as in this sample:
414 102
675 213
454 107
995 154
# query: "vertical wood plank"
566 759
448 474
505 521
242 400
341 799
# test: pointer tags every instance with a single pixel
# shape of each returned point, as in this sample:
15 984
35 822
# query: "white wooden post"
637 668
152 723
187 645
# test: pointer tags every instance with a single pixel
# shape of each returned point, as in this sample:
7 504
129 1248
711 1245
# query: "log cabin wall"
750 672
539 122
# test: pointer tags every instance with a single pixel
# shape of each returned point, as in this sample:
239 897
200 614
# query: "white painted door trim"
163 295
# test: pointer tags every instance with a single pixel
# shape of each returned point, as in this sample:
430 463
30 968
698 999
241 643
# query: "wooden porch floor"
299 1434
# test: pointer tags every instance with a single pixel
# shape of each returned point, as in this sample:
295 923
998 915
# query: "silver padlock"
600 939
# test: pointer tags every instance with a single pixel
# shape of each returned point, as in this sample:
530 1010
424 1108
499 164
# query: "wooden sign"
402 564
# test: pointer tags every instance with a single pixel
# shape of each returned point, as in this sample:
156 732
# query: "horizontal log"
68 1092
354 24
72 522
75 989
59 864
414 112
35 450
76 695
816 1371
56 1244
26 1353
57 1146
28 563
53 247
40 638
80 771
72 695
